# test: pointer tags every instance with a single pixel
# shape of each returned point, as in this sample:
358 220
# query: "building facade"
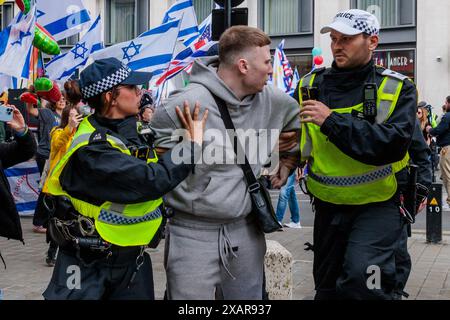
414 37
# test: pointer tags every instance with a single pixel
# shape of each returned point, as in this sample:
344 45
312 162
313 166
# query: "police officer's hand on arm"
193 125
288 141
280 178
288 161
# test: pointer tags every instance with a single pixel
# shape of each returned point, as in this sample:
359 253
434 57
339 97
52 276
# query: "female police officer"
108 204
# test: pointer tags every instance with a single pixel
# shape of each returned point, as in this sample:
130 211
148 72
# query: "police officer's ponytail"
74 94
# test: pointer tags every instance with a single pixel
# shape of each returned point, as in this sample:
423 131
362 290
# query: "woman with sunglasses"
422 115
109 189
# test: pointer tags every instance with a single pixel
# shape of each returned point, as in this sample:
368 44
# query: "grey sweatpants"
207 260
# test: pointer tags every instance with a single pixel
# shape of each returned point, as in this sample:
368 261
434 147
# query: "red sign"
401 61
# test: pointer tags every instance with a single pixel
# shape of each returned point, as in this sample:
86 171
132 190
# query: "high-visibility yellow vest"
119 224
339 179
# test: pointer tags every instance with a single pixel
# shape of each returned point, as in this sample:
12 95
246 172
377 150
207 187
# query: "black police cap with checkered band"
104 74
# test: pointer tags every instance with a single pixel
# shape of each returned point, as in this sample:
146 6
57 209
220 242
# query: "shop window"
303 63
126 19
401 61
202 9
70 41
390 13
282 17
6 14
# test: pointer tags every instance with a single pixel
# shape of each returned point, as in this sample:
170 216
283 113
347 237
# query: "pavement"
27 275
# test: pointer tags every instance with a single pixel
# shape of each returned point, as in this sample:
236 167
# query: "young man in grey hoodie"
214 247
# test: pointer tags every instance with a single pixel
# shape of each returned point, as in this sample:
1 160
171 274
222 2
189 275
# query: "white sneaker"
293 225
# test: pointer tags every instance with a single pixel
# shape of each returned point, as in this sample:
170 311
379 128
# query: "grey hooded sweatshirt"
217 190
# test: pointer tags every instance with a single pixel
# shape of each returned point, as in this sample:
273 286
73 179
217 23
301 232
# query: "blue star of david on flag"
83 48
136 47
21 36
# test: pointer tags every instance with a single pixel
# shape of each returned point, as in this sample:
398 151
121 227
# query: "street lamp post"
229 15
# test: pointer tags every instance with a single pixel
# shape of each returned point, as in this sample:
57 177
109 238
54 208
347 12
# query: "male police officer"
355 137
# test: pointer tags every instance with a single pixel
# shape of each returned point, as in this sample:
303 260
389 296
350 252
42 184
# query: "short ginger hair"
237 39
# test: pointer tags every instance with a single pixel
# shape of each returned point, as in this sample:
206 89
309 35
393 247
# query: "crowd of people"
113 183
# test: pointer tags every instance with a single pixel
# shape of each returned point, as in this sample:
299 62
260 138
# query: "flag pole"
174 46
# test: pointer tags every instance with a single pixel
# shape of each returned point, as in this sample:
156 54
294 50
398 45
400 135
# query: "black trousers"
40 216
354 250
106 278
403 260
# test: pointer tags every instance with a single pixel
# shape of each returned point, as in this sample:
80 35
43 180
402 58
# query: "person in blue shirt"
442 132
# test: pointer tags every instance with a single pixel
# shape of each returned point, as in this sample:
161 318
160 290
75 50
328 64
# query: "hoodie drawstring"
225 248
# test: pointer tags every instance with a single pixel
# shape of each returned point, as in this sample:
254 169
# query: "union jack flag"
282 71
199 48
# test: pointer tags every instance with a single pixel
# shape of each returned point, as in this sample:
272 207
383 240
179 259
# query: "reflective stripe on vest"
375 175
336 178
305 139
117 218
120 224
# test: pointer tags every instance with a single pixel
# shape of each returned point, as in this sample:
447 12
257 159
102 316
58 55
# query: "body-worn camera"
140 152
146 100
309 93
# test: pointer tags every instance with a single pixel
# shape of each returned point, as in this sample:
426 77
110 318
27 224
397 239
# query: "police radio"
370 101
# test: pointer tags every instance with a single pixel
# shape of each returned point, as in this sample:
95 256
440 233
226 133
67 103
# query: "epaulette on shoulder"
318 70
389 73
98 136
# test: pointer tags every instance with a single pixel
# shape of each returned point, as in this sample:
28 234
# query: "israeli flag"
16 43
204 32
63 66
23 180
62 18
183 10
7 82
151 51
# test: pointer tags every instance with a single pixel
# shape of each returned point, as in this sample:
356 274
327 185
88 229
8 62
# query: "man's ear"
374 40
243 66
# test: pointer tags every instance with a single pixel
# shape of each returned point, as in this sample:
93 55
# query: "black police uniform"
349 240
12 153
420 156
97 173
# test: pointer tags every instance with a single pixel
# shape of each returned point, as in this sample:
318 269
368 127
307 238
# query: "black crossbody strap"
253 184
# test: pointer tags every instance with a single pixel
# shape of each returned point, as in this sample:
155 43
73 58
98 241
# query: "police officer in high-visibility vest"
108 191
357 123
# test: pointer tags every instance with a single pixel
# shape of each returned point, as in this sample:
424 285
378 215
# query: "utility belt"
73 231
70 229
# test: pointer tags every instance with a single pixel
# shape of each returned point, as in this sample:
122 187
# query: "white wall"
95 7
324 12
433 40
157 10
252 6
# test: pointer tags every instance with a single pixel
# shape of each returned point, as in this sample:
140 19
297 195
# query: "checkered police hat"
353 22
104 74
